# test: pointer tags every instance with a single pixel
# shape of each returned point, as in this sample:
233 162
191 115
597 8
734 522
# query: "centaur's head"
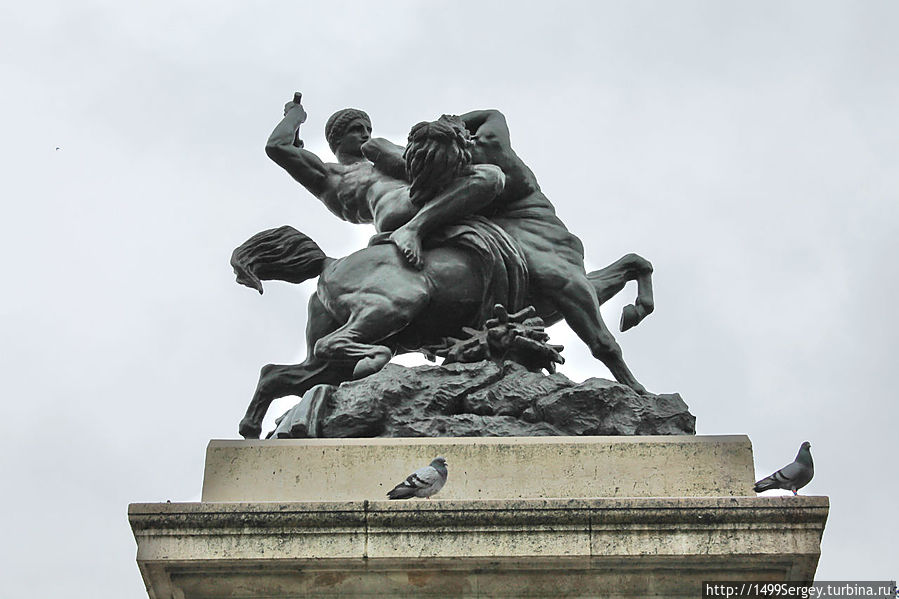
436 153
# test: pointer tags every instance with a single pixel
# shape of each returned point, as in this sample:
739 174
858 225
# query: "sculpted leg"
294 379
467 194
277 380
356 342
392 209
575 298
578 305
609 281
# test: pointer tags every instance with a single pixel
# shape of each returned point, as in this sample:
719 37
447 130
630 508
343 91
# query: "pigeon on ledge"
791 477
424 482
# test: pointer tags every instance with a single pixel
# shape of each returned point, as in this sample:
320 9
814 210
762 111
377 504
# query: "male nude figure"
356 191
554 255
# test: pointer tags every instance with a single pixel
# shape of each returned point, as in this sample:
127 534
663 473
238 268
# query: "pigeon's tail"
401 492
766 484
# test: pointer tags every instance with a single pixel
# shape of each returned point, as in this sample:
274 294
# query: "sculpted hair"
282 254
336 126
436 153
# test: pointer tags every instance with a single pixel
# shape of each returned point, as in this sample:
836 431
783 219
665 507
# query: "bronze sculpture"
473 230
555 257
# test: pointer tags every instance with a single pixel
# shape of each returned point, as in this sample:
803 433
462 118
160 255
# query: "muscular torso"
522 210
521 190
359 193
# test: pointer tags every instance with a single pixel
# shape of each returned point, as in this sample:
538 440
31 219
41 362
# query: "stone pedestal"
530 517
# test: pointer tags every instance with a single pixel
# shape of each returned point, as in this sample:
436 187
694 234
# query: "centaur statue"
462 226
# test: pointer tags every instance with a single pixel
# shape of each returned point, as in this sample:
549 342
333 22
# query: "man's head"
436 153
347 130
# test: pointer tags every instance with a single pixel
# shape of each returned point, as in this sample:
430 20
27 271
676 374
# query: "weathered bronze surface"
462 226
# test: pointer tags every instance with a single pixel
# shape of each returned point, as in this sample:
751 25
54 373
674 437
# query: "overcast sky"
748 150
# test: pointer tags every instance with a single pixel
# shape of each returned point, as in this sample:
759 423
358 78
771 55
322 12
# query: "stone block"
612 547
609 517
481 468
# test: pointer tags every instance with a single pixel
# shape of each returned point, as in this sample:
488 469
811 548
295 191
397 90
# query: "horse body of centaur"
371 305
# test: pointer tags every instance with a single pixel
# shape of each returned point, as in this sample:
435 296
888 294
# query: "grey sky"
749 150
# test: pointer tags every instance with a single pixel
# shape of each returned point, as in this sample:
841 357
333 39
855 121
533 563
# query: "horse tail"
282 254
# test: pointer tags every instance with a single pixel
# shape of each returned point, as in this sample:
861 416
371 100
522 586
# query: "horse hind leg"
281 380
356 341
295 379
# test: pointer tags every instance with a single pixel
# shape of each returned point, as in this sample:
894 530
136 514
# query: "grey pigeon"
424 482
791 477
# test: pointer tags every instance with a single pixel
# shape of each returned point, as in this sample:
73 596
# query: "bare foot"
410 246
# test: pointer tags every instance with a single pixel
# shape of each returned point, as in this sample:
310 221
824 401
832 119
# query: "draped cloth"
505 268
502 259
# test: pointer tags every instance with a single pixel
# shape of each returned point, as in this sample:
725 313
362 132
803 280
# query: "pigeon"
791 477
424 482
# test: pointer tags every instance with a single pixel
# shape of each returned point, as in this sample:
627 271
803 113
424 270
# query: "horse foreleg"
610 280
295 379
577 302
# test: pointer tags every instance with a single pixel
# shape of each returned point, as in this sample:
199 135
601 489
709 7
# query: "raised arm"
487 126
304 166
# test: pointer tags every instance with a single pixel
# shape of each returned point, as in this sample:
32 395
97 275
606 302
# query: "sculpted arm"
474 189
487 126
386 156
304 166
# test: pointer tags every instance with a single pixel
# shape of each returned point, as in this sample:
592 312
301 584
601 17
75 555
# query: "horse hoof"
631 316
371 364
365 367
250 431
641 390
